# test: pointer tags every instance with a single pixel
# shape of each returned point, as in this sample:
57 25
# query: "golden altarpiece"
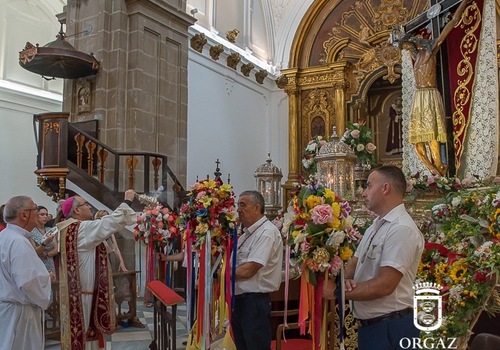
343 68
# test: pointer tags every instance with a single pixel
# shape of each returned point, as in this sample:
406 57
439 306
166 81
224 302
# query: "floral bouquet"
462 254
309 157
210 206
360 137
321 232
156 224
417 183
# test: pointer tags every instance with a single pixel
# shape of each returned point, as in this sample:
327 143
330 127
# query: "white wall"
235 119
17 143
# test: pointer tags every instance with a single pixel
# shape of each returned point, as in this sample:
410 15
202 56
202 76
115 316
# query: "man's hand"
52 276
329 289
349 285
130 195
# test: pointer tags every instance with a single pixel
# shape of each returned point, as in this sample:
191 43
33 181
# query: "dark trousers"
251 321
387 335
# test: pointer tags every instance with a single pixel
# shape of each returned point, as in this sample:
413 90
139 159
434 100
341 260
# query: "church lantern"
268 183
336 162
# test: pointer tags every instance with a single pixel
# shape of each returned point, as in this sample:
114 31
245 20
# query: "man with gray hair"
258 273
24 280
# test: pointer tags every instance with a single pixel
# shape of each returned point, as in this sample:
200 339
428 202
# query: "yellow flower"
336 209
209 183
329 194
206 201
312 201
226 188
335 223
345 253
295 233
305 216
458 270
201 228
231 217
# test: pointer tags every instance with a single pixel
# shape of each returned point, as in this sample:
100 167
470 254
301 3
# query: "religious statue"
84 98
427 125
394 144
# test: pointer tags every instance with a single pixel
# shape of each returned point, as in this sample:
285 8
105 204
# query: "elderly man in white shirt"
258 272
24 280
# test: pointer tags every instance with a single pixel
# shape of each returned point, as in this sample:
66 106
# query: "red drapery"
463 47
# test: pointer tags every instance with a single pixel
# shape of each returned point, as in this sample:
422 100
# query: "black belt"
251 295
386 317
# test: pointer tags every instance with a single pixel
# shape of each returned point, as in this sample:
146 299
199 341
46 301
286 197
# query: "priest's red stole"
102 320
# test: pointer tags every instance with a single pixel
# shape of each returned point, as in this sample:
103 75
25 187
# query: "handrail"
107 165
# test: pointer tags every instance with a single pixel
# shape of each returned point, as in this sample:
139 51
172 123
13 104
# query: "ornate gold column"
294 163
340 105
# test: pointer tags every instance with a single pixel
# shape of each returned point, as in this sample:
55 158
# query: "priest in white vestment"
87 309
24 280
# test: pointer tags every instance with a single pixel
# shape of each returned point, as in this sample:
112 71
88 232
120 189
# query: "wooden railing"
143 171
67 152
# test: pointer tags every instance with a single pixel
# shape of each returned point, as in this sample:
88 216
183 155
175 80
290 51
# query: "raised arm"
450 25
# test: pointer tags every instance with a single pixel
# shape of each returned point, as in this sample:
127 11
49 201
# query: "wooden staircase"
66 152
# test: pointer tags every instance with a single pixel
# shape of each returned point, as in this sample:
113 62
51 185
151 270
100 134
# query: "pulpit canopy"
58 59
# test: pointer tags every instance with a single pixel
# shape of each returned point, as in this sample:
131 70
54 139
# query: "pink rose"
155 212
355 134
370 147
322 214
160 224
335 264
305 246
467 182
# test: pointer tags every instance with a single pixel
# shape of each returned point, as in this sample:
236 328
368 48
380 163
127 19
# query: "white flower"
287 220
301 237
360 147
483 249
311 147
347 222
455 202
335 238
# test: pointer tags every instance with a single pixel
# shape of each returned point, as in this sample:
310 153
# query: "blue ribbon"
234 233
339 298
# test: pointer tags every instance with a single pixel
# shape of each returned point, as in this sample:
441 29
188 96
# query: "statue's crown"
427 287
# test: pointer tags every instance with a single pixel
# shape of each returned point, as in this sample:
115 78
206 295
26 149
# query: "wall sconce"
268 183
336 162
